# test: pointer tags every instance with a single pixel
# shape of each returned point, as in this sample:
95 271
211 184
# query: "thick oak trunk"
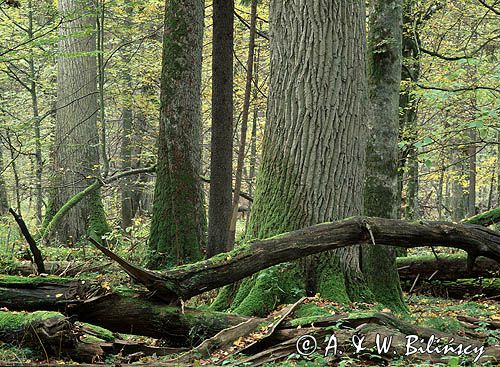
186 281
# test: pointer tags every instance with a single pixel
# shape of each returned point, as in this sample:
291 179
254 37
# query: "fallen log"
47 333
447 267
184 282
61 268
50 334
126 312
484 219
458 289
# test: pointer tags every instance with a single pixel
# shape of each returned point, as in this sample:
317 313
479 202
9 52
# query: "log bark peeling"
184 282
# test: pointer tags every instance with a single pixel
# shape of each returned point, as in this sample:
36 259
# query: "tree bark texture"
221 164
314 144
178 214
76 144
381 197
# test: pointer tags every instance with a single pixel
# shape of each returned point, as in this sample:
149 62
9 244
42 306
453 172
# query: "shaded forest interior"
249 183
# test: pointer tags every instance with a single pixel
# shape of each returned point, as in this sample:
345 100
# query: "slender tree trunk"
253 139
76 144
408 107
244 124
498 170
178 222
102 80
127 212
490 190
314 147
381 182
458 196
4 202
17 182
471 196
219 209
36 122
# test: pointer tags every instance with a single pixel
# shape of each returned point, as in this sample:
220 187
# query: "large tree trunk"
178 221
187 281
314 146
221 164
381 197
75 152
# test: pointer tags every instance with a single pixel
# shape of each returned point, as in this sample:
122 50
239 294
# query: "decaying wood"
62 268
457 289
133 313
187 281
446 268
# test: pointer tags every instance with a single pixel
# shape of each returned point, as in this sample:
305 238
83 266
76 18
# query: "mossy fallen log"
125 312
186 281
49 334
447 267
485 219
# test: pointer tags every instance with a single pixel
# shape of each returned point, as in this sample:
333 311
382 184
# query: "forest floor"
473 320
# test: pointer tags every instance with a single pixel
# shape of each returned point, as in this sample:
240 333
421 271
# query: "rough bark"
381 197
75 151
178 219
446 268
189 280
219 207
313 150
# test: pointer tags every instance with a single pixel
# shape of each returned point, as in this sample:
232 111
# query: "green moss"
222 302
310 309
17 320
331 285
6 280
278 284
444 324
100 332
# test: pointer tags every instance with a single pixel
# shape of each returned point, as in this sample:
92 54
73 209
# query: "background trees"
449 101
76 143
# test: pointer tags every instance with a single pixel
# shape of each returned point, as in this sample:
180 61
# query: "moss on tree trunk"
381 183
313 151
177 227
